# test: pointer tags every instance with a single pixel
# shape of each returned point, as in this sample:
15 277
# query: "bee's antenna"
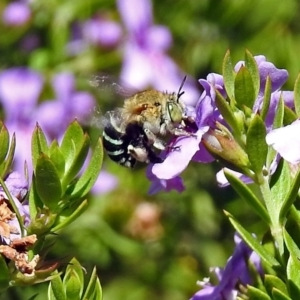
180 93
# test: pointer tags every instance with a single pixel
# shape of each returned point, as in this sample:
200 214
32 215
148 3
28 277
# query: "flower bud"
221 144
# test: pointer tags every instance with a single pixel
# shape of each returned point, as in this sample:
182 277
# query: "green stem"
276 228
13 204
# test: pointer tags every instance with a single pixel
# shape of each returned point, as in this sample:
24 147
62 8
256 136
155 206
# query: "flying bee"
133 131
127 147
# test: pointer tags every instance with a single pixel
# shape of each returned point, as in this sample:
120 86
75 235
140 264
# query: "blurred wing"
109 84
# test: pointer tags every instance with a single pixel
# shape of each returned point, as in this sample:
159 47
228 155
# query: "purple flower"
103 32
145 62
68 105
278 78
20 89
19 92
236 272
16 14
105 183
189 147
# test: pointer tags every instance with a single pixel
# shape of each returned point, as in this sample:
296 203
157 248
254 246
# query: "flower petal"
286 141
177 160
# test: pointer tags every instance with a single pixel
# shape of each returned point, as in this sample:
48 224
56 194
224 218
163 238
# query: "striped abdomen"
116 145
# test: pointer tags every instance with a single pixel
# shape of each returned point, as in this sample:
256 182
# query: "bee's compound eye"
174 112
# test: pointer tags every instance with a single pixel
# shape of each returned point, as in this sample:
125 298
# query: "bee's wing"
110 84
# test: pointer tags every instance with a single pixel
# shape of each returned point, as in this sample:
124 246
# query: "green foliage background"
194 234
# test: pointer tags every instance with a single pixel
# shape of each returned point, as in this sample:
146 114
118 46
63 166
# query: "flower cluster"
207 143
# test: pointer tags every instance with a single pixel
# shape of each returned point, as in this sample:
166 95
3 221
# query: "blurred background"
144 247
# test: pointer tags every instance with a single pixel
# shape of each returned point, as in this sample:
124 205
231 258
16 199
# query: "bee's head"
174 108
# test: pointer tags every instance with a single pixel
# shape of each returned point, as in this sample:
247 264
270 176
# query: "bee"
134 131
128 146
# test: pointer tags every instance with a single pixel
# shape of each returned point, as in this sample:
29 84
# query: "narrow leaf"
56 287
245 193
256 294
92 286
91 173
74 268
267 98
290 197
71 142
228 75
293 275
278 119
279 295
47 182
38 144
4 142
256 146
272 281
289 116
10 157
297 96
244 89
69 215
226 111
77 162
253 243
293 266
251 65
57 158
280 185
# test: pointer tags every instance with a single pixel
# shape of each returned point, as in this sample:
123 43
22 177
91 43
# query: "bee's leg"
182 132
153 158
154 140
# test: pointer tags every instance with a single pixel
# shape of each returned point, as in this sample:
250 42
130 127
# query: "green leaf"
253 243
90 175
228 75
252 67
279 115
74 269
290 198
77 162
6 167
4 142
272 281
256 294
4 275
293 275
57 158
226 111
278 295
245 193
244 89
69 215
297 95
71 143
267 98
38 144
289 116
280 185
56 289
292 247
256 146
93 290
33 297
47 182
72 284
